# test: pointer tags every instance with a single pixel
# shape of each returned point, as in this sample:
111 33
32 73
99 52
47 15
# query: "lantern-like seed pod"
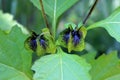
76 36
72 37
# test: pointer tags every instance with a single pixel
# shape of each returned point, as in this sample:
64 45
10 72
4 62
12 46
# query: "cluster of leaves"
15 60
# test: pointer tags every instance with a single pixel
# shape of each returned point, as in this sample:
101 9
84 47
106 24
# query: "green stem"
54 21
54 28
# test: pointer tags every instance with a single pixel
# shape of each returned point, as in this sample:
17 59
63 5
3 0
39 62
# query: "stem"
89 13
54 20
54 27
44 15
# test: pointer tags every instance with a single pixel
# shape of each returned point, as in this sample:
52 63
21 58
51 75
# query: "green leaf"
105 66
15 60
115 77
7 22
61 66
55 8
111 24
90 57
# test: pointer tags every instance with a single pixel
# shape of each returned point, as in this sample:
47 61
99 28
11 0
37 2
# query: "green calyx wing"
69 44
49 47
41 44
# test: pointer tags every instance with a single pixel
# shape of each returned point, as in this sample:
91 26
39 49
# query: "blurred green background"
29 16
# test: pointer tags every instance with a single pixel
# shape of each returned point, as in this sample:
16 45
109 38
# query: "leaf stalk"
44 15
89 13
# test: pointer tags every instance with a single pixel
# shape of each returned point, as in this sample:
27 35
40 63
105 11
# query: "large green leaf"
54 8
90 57
111 24
114 77
15 60
105 67
61 66
7 22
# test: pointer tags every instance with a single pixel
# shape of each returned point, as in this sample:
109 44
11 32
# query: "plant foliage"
61 66
16 60
111 24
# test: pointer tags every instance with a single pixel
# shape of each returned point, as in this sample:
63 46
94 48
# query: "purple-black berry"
43 42
76 37
66 35
33 42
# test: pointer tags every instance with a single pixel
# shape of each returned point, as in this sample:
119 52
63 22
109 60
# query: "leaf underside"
111 24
